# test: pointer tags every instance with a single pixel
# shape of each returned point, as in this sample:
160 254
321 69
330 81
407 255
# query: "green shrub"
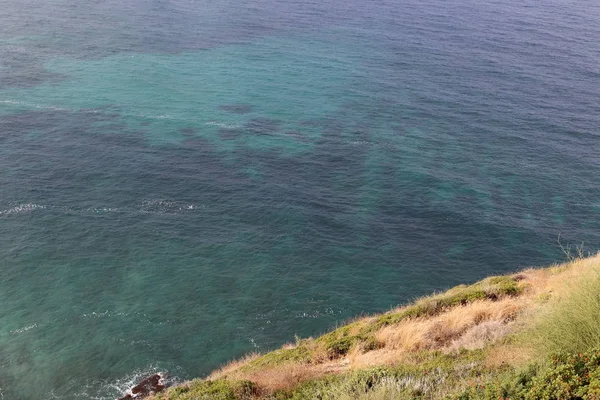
565 376
570 376
340 341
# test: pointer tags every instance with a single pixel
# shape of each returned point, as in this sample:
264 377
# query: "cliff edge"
529 335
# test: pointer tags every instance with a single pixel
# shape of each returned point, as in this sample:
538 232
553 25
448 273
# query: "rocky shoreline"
148 386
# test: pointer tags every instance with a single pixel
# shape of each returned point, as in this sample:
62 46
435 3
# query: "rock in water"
149 385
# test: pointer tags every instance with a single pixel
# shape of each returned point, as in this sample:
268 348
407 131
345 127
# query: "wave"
158 207
110 390
151 116
115 110
318 313
48 107
38 106
101 210
222 125
11 49
24 329
167 207
22 208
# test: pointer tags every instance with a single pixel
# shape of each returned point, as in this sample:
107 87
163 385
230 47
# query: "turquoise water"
183 182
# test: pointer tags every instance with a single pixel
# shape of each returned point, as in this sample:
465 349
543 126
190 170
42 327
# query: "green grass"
338 342
300 353
430 373
572 324
462 377
210 390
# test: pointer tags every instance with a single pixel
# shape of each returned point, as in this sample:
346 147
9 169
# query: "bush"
570 376
565 376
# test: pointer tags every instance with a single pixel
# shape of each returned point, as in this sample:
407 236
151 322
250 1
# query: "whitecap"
360 142
22 208
123 386
161 206
222 125
103 210
12 49
24 329
33 105
253 343
94 314
27 104
149 116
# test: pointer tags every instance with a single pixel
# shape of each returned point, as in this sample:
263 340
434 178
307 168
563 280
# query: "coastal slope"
530 335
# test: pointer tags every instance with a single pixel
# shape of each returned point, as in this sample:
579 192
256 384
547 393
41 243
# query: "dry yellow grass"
283 377
472 326
510 354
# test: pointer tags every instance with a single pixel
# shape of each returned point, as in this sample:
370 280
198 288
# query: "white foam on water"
151 116
91 110
162 207
24 329
159 207
97 315
222 125
102 210
13 49
33 105
318 313
38 106
123 386
140 316
129 391
26 104
254 343
22 208
360 142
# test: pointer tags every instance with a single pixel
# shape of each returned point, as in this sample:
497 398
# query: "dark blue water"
182 182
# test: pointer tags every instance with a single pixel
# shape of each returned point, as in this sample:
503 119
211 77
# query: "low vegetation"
530 335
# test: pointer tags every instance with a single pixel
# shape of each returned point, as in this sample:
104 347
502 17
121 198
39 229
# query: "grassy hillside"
530 335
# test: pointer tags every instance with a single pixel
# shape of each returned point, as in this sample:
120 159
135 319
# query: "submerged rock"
149 385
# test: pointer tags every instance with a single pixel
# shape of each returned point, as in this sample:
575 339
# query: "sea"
183 182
